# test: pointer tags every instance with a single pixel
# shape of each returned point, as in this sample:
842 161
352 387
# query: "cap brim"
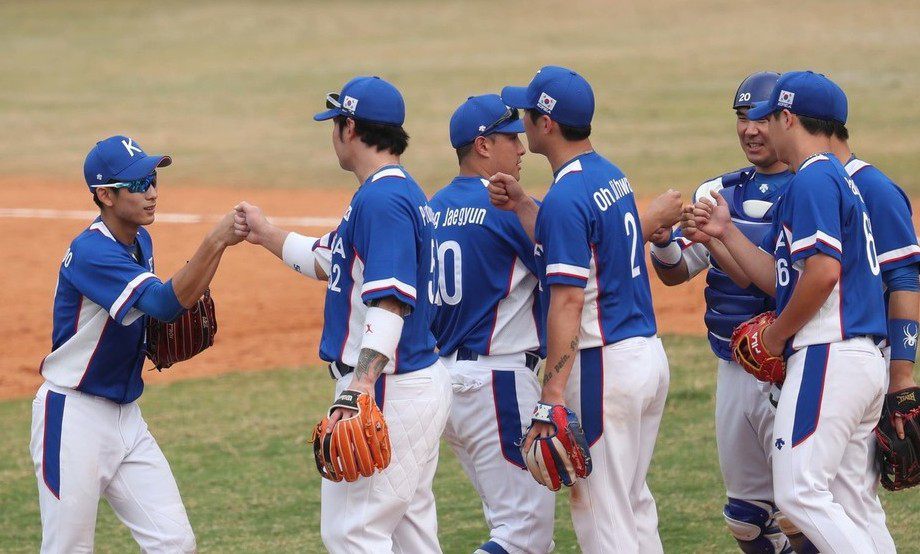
516 126
142 167
328 114
516 97
760 110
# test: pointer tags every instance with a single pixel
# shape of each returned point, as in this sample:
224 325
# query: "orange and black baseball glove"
353 447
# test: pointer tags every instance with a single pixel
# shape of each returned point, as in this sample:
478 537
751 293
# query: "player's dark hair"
463 152
392 138
841 131
568 132
813 125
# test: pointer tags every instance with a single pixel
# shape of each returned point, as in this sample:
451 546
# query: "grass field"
237 446
229 87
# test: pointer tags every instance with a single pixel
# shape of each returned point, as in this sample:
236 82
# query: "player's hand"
664 210
505 192
774 345
712 218
344 413
661 235
537 429
688 226
226 232
902 378
252 219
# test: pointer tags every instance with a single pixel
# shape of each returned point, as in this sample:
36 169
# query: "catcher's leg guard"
798 540
753 526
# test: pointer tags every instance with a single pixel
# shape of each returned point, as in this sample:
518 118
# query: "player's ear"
106 195
481 146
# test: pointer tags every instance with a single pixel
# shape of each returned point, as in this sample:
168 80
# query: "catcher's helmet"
755 88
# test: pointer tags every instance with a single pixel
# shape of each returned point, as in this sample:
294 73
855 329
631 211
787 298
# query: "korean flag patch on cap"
546 102
785 98
350 103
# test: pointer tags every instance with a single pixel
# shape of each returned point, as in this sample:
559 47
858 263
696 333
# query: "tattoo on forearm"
370 364
563 360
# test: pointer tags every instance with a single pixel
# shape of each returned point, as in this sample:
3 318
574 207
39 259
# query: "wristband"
297 253
902 336
382 330
667 256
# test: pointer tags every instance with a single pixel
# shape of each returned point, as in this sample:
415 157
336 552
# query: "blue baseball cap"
119 158
562 94
366 98
804 93
482 116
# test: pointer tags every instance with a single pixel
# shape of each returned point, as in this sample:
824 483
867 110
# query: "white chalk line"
89 215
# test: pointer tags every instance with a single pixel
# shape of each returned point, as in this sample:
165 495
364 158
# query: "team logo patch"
785 98
910 339
546 102
482 128
350 104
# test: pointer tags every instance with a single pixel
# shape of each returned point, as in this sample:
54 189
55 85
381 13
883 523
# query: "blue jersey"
890 212
382 247
588 235
487 278
823 212
97 345
750 197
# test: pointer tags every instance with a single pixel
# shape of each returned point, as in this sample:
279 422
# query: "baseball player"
604 360
487 328
744 416
380 291
819 259
89 439
899 258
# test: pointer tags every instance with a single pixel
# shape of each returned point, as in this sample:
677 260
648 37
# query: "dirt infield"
269 316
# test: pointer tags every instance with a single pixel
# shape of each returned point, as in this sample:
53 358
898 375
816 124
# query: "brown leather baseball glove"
191 333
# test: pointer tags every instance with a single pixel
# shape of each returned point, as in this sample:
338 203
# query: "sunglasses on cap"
507 117
137 185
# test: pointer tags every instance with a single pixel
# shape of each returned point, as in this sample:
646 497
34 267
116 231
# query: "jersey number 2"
632 231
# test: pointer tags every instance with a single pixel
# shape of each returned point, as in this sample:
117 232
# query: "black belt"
464 354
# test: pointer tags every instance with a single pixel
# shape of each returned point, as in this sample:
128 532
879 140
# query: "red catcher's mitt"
749 352
192 332
353 447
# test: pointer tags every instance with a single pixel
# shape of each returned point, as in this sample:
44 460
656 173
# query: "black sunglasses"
507 117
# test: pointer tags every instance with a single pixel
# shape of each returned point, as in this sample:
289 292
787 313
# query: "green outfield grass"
237 446
229 87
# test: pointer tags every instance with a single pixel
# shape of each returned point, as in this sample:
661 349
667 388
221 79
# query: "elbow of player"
567 298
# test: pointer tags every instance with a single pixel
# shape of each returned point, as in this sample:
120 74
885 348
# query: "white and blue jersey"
98 336
588 235
383 247
750 197
823 212
488 280
895 238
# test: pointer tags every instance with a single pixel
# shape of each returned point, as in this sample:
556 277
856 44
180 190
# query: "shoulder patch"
704 190
854 165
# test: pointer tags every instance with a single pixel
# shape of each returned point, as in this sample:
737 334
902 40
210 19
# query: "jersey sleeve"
110 277
386 239
564 232
815 219
892 228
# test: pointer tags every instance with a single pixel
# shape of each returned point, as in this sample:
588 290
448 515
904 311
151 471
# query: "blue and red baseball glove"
562 457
